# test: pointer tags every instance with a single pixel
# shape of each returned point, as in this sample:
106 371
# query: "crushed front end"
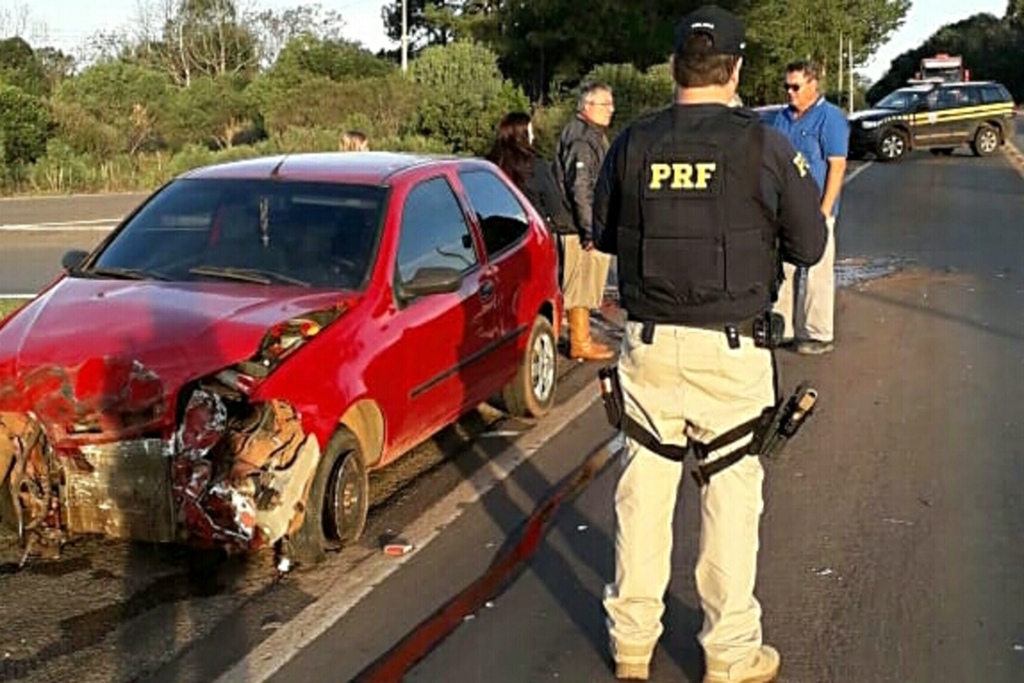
105 448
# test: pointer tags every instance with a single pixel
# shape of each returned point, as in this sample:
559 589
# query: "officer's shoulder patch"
802 167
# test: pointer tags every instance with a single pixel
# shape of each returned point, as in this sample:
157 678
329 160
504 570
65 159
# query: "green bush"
464 96
25 126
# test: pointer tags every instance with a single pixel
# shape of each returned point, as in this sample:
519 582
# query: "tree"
19 67
132 99
24 126
335 59
276 29
430 22
782 31
464 95
990 48
210 110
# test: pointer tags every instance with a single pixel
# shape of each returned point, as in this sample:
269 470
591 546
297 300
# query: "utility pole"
405 35
839 71
850 81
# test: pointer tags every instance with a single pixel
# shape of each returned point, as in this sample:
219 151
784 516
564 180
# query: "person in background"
820 132
354 141
513 153
581 149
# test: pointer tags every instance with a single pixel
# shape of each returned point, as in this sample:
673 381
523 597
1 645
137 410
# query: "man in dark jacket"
581 149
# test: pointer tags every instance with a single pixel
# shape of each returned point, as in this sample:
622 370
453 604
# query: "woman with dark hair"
514 154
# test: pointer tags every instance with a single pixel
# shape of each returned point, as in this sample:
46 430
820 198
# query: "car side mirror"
428 281
73 259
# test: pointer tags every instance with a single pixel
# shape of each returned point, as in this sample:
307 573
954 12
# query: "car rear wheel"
986 141
338 501
532 392
892 146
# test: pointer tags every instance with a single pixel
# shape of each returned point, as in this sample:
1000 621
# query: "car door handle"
486 290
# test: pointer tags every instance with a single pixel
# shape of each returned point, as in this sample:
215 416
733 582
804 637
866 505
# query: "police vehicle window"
950 98
899 99
434 233
503 220
991 94
972 96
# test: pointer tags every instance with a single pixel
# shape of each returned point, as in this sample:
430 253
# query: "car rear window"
991 94
280 232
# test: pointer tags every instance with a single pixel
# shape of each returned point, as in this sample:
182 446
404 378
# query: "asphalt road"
890 545
35 232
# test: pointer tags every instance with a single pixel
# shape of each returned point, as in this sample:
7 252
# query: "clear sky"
69 23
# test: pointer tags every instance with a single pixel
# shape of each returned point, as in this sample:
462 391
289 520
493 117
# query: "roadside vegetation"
8 306
191 82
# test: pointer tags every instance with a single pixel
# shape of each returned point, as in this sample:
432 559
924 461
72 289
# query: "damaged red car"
226 367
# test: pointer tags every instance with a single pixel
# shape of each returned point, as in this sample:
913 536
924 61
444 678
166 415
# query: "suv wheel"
986 141
893 145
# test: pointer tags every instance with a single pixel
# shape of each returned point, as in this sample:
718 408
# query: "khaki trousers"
688 383
812 316
584 274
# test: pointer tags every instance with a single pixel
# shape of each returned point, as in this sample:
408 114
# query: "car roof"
364 168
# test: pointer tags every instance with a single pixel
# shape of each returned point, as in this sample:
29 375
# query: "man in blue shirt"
820 132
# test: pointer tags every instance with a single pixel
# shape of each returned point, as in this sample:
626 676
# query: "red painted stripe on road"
511 559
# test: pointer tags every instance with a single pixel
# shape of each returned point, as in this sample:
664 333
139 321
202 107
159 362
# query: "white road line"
17 296
856 172
105 224
355 584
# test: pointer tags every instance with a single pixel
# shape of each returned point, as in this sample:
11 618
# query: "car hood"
871 114
86 336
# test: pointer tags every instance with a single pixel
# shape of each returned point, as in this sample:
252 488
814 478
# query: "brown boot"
581 346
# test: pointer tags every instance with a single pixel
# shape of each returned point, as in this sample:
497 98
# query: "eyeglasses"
610 105
793 87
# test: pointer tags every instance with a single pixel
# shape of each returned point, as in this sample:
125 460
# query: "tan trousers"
688 383
813 316
584 274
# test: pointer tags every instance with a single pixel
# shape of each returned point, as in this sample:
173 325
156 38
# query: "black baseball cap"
723 27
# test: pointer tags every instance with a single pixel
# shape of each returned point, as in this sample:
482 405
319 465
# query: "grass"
8 306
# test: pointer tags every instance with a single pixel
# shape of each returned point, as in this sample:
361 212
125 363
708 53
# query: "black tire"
892 146
338 502
985 142
532 392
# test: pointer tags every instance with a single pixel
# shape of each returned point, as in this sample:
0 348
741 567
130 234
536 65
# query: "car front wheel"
892 146
532 392
986 141
338 501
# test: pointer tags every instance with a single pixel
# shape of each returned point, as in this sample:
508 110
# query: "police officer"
698 201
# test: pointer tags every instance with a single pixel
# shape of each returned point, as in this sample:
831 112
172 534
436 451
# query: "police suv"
936 116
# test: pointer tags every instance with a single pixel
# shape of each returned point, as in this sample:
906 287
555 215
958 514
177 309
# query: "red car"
225 368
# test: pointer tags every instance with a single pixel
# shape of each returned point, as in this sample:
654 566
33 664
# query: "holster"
771 429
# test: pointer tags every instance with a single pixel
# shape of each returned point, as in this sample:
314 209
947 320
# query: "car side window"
972 97
503 220
990 94
434 233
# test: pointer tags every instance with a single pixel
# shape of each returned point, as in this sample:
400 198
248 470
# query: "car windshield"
259 231
901 100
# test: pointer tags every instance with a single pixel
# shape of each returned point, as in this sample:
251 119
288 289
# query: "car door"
925 121
442 335
504 227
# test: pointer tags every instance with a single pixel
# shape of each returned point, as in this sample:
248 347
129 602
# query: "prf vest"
696 243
